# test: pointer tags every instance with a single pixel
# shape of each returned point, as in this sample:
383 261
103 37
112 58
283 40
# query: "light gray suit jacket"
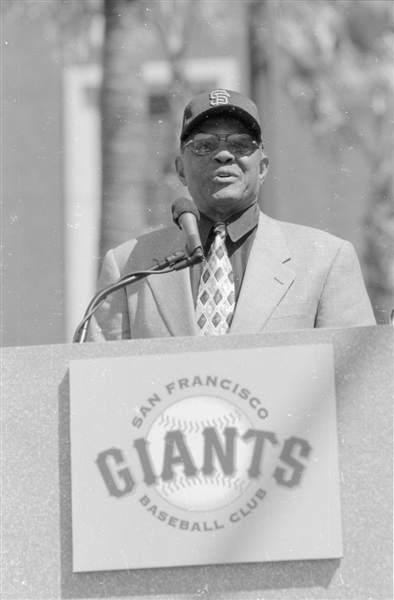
297 278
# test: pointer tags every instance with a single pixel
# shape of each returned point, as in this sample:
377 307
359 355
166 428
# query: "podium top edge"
168 344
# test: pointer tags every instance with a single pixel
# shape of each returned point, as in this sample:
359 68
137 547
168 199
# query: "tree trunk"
123 109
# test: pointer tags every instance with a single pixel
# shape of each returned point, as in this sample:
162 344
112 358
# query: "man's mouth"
224 177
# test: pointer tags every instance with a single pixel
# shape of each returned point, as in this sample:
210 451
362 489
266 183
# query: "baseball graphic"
191 417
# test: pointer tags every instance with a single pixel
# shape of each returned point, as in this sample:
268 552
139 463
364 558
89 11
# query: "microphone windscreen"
184 205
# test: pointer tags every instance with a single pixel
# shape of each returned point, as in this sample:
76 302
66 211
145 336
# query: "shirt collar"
237 225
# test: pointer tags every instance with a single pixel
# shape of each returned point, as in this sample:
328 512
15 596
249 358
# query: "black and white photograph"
197 299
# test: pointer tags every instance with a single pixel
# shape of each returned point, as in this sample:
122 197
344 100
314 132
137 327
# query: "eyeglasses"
241 144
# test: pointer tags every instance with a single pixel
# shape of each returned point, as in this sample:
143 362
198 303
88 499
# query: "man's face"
222 183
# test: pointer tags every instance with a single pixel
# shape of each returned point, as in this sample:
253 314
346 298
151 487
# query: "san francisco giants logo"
219 97
202 453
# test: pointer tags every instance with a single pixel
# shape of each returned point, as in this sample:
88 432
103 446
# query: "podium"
37 537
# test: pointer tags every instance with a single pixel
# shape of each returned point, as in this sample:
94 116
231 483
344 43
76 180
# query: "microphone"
185 214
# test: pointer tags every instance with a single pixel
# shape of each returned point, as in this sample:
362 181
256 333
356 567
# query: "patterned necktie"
216 297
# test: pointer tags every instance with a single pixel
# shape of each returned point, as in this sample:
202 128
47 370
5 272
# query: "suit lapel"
266 278
172 291
175 302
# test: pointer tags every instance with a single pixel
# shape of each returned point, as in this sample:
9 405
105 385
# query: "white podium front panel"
219 457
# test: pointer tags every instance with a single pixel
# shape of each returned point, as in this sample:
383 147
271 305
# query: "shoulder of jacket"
300 234
142 251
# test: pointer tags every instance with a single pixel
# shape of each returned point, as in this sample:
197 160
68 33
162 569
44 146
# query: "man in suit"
276 276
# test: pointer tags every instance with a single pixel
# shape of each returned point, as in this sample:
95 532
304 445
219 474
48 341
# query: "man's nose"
223 156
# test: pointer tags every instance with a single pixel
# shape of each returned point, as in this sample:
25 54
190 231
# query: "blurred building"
52 166
33 224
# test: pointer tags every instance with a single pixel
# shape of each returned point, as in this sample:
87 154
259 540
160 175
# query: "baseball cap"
220 101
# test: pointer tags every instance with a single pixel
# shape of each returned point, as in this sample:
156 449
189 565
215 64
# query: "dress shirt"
241 230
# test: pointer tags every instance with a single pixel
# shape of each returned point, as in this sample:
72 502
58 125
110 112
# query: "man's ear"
264 163
180 169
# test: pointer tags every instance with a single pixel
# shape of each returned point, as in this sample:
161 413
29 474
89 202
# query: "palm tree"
123 133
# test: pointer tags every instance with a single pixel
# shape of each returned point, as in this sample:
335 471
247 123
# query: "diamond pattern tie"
216 296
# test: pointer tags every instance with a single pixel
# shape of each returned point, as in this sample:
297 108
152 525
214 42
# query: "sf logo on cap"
218 97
